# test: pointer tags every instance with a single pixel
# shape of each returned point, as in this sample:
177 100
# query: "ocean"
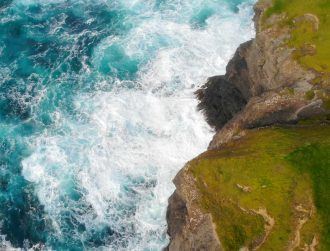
97 114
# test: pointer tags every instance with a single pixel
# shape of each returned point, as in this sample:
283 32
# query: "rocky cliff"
266 75
248 191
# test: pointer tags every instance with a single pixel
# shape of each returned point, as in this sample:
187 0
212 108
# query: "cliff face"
266 76
189 227
219 201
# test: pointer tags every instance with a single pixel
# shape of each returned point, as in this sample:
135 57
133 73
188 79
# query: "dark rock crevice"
220 101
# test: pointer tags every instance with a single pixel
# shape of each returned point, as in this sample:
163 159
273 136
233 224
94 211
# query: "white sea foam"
123 153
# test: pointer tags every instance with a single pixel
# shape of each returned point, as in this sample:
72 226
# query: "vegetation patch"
283 172
310 95
314 159
310 22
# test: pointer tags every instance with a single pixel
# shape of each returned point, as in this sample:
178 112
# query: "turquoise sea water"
97 114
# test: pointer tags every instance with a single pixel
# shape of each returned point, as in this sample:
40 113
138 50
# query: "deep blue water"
97 114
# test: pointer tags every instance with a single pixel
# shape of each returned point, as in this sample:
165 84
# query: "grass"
283 167
310 95
303 32
314 159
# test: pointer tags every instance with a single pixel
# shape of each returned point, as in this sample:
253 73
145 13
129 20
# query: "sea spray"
98 114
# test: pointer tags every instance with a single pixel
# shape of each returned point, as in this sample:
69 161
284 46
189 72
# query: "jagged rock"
220 101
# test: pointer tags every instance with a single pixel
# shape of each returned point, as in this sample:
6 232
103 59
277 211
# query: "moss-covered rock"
309 22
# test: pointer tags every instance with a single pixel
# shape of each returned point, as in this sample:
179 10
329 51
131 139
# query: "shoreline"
265 90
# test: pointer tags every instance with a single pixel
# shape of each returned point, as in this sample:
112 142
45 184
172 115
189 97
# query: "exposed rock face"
263 85
220 101
264 74
190 229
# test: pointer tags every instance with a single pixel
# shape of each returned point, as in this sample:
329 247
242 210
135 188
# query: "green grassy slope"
283 170
314 159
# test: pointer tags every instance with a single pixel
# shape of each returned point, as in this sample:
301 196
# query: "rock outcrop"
264 85
190 228
263 74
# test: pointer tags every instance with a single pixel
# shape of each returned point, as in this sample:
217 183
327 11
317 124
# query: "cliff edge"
263 183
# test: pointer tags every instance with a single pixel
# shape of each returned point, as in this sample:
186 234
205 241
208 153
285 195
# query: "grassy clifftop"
310 22
269 190
266 189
